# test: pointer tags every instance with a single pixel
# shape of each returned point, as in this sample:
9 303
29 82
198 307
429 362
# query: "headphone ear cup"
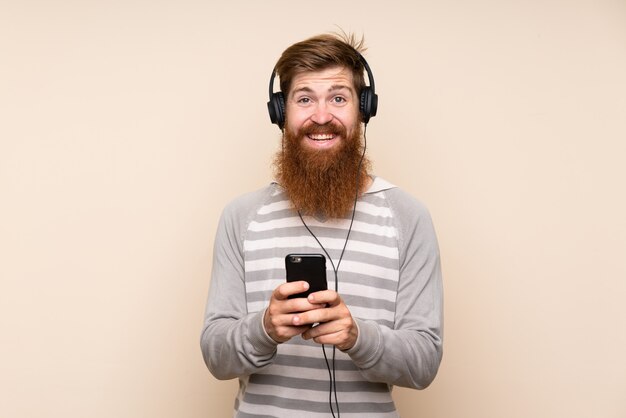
276 109
369 103
365 106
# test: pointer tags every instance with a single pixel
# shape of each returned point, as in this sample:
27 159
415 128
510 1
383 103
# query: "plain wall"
126 126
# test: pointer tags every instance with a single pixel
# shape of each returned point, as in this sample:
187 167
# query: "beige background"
126 126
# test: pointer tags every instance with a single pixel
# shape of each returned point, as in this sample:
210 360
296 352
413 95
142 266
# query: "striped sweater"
389 277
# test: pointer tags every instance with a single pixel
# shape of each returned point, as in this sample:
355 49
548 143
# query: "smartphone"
308 267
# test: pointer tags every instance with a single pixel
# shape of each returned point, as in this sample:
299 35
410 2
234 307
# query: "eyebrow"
332 88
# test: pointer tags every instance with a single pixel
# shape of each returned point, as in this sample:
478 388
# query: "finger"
341 337
285 290
314 316
325 338
329 297
285 333
338 339
279 323
303 319
290 319
300 305
330 327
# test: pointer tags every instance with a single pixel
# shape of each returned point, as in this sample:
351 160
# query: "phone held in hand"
308 267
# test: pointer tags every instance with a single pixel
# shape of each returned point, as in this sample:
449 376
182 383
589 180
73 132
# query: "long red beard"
322 183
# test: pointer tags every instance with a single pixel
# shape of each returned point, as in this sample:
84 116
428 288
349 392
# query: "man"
383 325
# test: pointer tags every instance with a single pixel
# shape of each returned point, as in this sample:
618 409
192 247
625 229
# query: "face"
322 107
321 160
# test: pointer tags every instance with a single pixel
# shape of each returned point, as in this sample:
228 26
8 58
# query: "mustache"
327 128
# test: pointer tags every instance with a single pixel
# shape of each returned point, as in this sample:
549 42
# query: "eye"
339 99
304 100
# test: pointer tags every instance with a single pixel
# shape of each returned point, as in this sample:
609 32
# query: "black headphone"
368 101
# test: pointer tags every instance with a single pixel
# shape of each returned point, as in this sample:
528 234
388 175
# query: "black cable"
332 376
331 380
333 385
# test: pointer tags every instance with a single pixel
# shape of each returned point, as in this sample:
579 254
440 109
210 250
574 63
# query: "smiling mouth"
321 137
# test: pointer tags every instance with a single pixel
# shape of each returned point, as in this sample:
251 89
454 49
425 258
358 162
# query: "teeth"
322 137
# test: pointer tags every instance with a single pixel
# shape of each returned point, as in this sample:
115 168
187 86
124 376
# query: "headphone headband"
368 103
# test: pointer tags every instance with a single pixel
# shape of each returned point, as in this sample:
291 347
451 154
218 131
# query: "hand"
279 319
337 327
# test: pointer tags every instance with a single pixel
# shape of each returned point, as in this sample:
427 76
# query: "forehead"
325 79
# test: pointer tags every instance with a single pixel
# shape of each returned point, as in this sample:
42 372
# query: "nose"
321 115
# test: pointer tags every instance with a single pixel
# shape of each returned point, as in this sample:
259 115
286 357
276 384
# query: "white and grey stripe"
297 382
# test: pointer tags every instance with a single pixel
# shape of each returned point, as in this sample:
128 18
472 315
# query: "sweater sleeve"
409 354
233 342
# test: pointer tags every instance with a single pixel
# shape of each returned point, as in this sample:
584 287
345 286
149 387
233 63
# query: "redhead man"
379 324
